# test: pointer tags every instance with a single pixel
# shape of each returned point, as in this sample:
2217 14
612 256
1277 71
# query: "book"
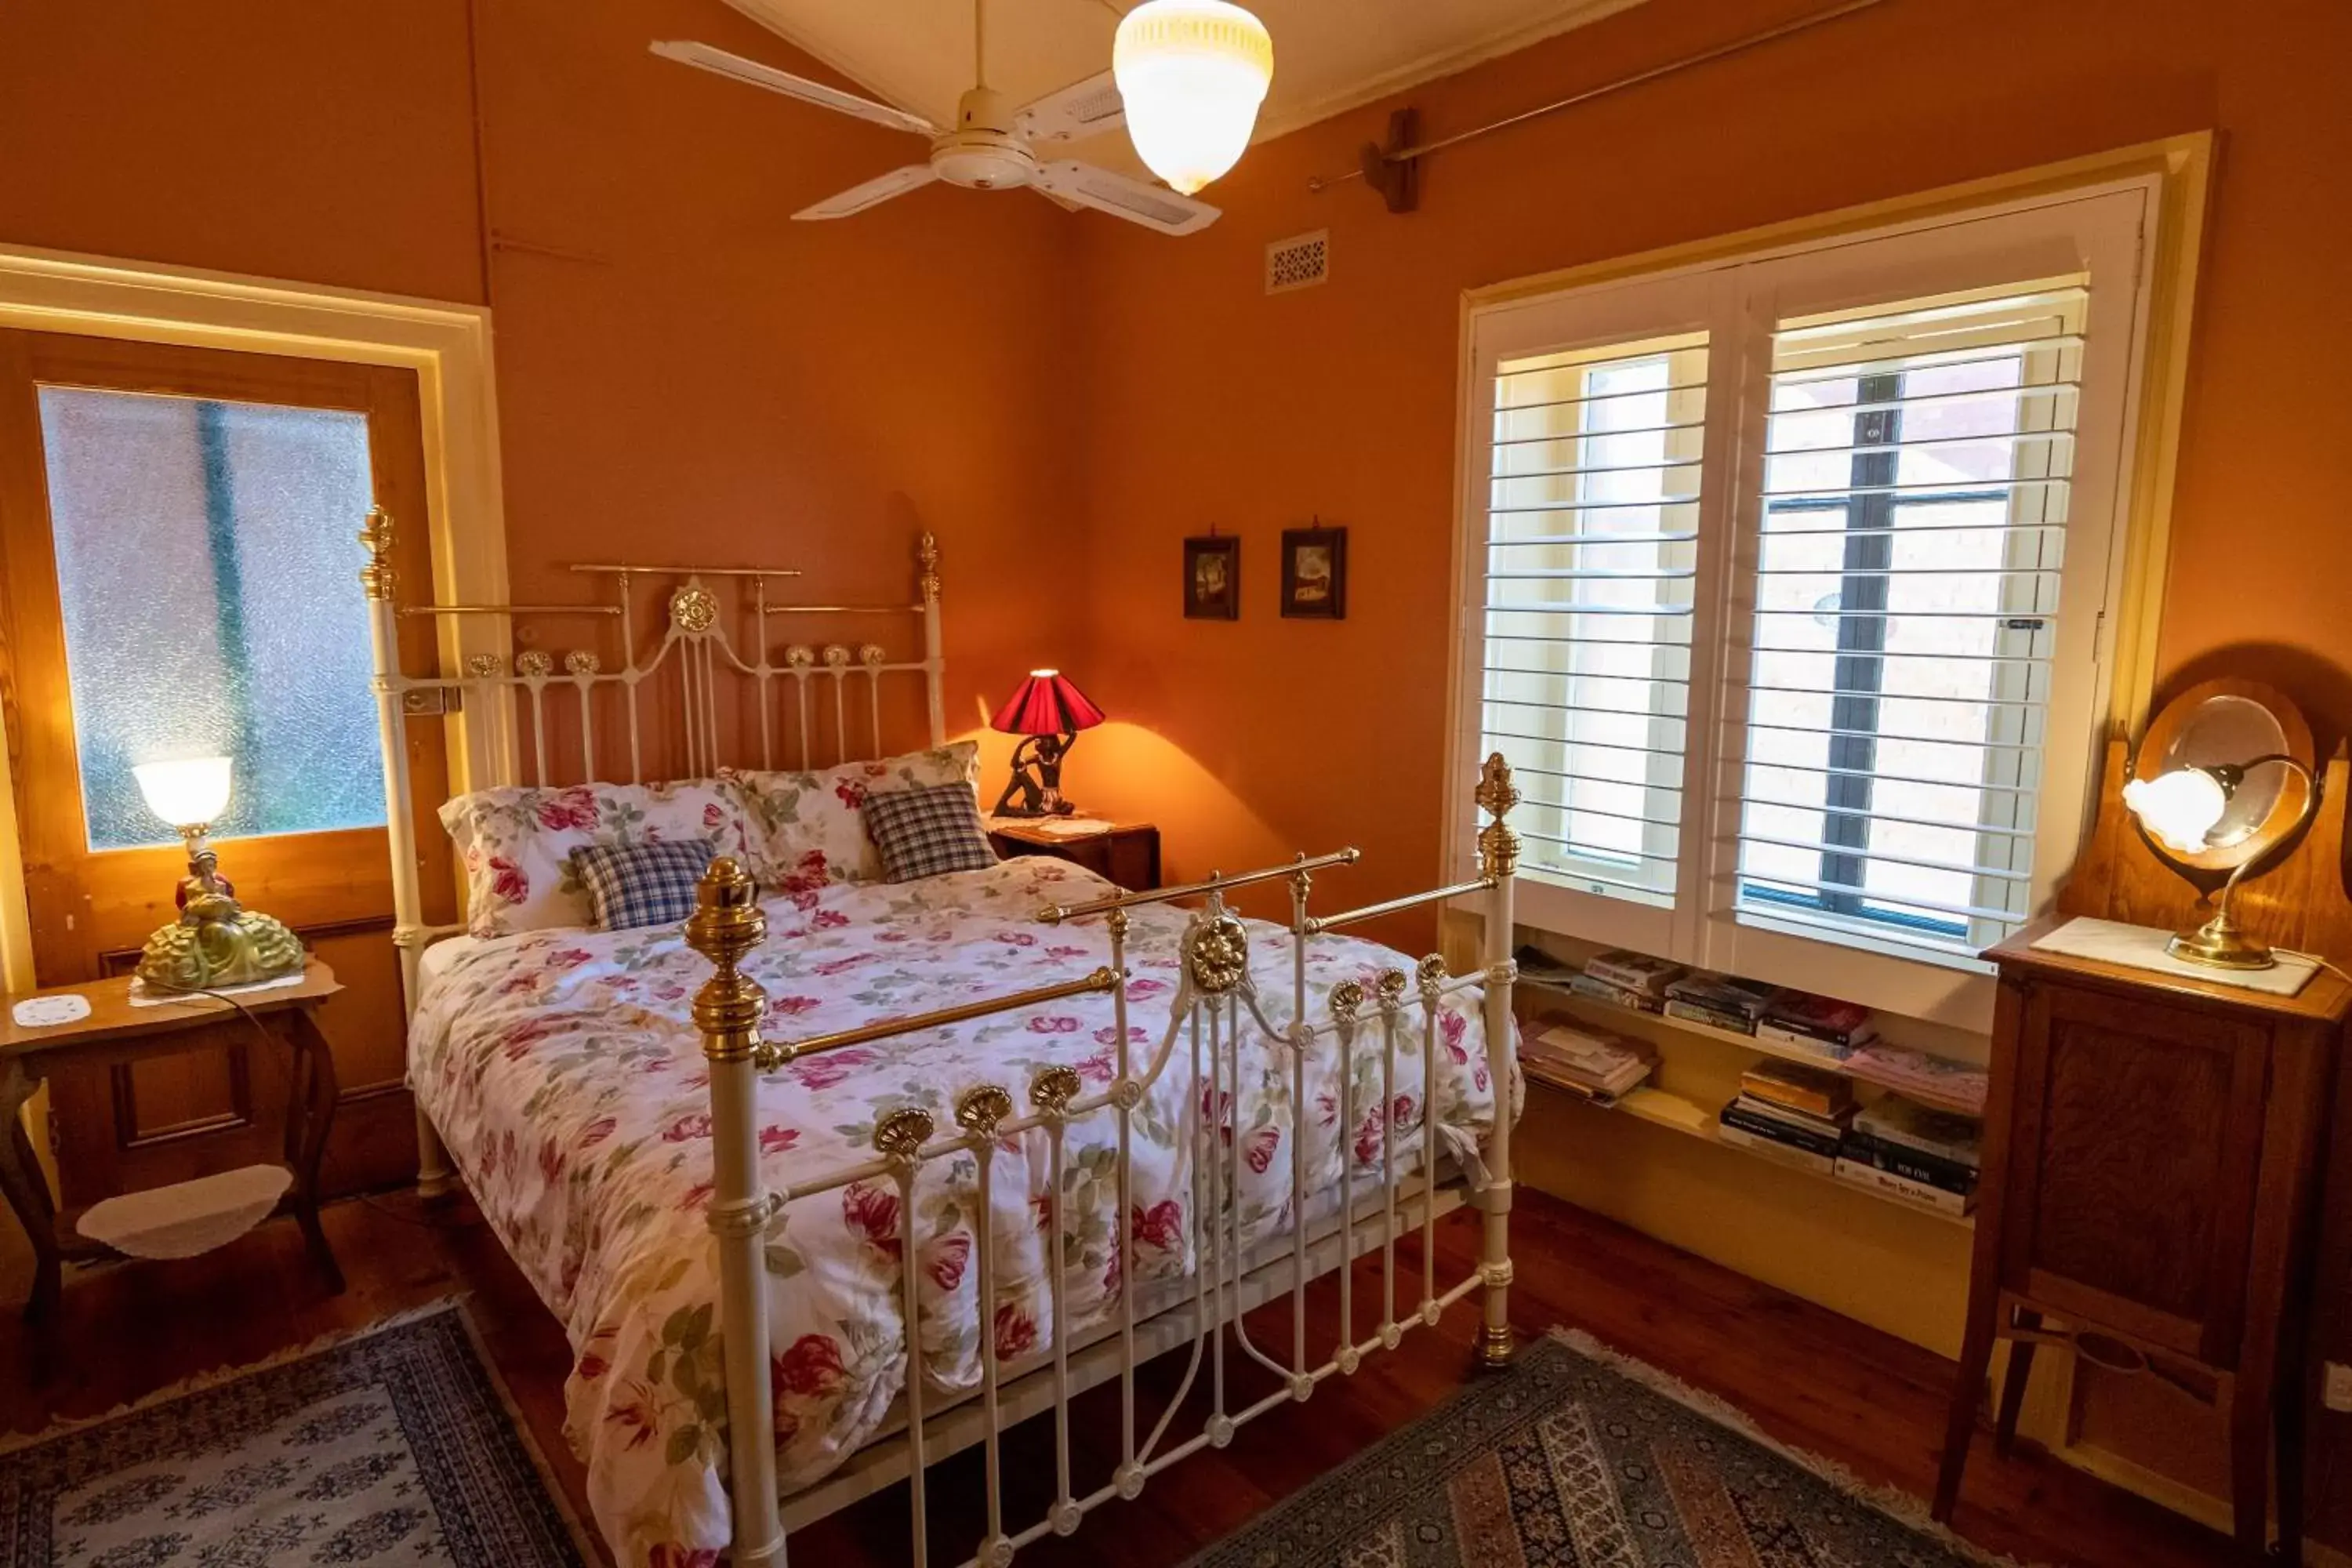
1723 993
1909 1163
1805 1089
1800 1017
1602 1062
1893 1185
1542 968
1942 1134
1773 1149
1635 971
1832 1126
1601 990
1755 1123
1935 1081
1737 1022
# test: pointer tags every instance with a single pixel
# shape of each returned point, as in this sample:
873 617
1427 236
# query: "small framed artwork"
1213 579
1314 574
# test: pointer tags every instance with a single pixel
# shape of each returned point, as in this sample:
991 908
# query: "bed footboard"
1215 1006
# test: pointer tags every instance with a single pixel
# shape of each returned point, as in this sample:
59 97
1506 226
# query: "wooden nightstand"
1126 853
2150 1156
116 1033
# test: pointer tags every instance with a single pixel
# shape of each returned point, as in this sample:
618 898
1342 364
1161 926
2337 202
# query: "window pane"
211 607
1592 555
1916 477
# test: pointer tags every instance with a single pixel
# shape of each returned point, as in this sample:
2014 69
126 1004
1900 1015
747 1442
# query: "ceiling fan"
992 147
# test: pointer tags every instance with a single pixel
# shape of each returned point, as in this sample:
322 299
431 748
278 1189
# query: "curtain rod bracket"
1395 169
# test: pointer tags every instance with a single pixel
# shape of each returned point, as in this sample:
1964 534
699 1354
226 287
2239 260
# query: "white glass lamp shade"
188 793
1193 74
2180 808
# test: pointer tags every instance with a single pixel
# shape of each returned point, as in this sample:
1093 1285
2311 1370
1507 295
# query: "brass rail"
1398 906
1104 979
1055 914
842 609
510 610
690 571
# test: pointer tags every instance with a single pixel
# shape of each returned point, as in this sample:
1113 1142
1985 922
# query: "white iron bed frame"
1214 1002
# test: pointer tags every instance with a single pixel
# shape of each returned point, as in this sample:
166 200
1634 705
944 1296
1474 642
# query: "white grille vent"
1299 262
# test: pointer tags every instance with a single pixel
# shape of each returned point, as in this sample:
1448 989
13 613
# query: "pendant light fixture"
1193 74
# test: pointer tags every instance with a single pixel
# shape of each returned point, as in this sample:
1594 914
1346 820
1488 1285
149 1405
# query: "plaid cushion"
923 832
632 885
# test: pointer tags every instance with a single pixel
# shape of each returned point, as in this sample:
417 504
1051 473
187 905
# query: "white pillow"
809 828
516 843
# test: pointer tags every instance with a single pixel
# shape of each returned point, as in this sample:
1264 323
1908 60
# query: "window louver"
1910 538
1592 555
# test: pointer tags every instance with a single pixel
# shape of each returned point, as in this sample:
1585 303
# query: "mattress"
568 1085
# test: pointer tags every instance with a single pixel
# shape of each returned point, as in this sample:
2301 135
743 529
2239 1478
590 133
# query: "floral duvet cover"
563 1071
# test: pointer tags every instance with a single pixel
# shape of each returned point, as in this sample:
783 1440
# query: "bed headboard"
722 681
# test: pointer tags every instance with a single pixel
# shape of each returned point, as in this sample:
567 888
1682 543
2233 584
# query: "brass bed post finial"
726 925
377 578
1498 841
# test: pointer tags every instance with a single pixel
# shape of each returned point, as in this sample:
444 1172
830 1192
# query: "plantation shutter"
1593 511
1910 547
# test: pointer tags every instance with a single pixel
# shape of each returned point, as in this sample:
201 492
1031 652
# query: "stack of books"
1597 1066
1725 1001
1821 1024
1939 1082
1914 1152
1627 979
1798 1115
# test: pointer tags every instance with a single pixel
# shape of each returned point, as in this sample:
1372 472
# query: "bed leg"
436 1181
726 924
1498 859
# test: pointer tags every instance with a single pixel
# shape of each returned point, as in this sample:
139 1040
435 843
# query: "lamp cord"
326 1154
2335 969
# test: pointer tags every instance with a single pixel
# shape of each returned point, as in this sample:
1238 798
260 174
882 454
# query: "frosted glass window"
212 606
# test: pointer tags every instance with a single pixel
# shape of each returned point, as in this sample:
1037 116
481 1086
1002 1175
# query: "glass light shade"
186 792
1193 74
2180 808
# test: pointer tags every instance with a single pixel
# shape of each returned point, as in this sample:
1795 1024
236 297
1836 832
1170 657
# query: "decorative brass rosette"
694 609
1217 955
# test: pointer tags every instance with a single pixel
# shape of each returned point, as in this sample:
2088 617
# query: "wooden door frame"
448 346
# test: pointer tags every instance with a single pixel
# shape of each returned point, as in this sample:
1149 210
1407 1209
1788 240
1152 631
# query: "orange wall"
694 372
1211 404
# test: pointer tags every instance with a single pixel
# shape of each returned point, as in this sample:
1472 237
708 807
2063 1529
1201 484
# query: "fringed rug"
393 1447
1577 1459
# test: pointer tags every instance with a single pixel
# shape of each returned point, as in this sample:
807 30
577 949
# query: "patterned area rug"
391 1448
1570 1462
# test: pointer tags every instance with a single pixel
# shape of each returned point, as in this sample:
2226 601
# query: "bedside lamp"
2217 791
216 941
1048 711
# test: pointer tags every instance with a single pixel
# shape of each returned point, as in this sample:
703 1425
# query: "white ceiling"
1328 55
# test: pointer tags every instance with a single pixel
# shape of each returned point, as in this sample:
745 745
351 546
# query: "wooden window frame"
2175 175
447 345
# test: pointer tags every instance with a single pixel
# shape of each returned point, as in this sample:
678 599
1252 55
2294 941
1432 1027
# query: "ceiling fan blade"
719 62
1081 109
1134 200
871 193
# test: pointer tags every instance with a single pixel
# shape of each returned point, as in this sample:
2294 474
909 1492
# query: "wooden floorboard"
1809 1378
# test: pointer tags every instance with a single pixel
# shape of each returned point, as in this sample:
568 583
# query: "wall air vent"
1299 262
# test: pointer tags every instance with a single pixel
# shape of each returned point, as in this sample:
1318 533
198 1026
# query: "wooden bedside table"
1126 854
117 1032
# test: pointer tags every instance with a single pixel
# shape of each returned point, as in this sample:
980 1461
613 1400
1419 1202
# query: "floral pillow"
516 844
809 828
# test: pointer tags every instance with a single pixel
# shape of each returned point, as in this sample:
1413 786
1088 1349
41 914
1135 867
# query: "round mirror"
2215 736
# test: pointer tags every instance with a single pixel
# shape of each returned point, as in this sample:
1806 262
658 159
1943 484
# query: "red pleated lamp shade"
1046 704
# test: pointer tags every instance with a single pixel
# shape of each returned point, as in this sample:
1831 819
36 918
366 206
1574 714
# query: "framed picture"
1314 574
1213 579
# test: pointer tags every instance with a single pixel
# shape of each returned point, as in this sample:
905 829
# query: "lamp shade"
1046 704
186 793
1192 74
2180 808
